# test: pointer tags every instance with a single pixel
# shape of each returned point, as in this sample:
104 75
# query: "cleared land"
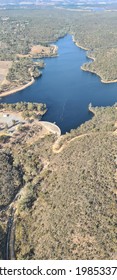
43 51
4 68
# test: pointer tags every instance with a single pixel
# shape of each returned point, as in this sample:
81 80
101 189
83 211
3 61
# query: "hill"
66 207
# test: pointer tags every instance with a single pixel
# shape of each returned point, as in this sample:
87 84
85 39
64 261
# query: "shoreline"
93 72
96 73
15 90
79 46
9 92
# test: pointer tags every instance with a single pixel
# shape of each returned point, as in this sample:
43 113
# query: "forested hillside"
67 206
96 32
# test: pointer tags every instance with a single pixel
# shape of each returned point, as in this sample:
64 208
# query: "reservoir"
66 89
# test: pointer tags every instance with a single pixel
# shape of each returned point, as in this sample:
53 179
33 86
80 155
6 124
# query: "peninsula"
21 73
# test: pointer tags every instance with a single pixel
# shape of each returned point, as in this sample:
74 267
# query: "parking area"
10 121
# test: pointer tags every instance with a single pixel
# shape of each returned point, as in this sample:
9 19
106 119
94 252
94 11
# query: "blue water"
66 89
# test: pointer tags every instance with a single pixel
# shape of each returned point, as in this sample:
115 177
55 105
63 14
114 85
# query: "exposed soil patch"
4 67
43 51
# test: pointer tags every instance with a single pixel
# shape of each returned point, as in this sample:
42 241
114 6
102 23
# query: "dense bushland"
67 207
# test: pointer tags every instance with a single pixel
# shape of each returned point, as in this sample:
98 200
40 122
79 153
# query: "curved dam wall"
51 127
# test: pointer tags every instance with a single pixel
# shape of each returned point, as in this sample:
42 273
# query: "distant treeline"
20 30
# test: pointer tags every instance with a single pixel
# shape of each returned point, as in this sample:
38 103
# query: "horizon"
58 2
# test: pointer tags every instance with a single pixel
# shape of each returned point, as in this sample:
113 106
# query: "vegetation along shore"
23 71
58 193
90 66
63 187
32 41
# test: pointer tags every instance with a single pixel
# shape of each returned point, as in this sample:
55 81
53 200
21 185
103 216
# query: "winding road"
10 236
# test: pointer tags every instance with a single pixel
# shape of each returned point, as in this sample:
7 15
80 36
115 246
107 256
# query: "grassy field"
4 68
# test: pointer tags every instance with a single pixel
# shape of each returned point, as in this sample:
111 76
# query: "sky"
65 1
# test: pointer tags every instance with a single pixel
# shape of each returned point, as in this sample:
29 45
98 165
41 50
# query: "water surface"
66 89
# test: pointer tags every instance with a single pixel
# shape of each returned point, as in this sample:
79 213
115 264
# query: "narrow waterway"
66 89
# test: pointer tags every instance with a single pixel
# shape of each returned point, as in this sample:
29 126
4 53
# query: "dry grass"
42 50
4 68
